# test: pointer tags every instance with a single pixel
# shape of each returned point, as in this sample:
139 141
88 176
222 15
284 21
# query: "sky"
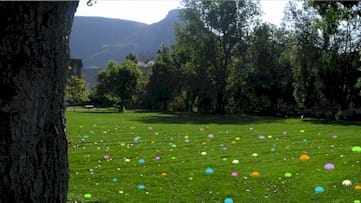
151 11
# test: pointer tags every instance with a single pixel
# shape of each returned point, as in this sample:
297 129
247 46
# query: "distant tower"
75 67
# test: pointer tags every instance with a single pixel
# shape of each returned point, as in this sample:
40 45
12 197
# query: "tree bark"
34 54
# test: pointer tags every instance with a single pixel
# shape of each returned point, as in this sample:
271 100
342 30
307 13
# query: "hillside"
96 40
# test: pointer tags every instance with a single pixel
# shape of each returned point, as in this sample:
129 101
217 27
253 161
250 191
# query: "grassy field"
154 157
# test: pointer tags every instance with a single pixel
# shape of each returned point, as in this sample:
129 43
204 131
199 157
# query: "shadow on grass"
112 110
332 122
97 111
174 118
193 118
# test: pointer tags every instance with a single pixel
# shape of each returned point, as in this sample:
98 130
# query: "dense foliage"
227 61
119 83
76 91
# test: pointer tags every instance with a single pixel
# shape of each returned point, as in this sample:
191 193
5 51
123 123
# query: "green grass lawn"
178 149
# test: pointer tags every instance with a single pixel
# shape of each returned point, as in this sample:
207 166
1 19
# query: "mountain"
96 40
150 38
93 38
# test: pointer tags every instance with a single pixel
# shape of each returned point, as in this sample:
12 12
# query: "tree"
304 54
132 58
267 79
358 84
119 82
162 83
76 91
326 40
339 25
229 21
186 75
194 56
34 55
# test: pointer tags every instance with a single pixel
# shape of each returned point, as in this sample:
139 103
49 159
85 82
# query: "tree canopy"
76 90
225 60
119 82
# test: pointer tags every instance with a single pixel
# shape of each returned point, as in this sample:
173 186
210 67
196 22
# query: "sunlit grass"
185 149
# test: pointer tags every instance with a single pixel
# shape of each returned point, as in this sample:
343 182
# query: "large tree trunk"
34 54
